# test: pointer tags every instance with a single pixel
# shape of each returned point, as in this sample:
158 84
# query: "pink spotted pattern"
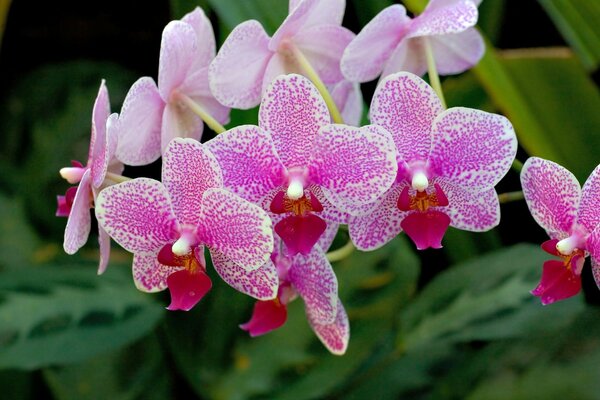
261 283
588 215
149 275
336 335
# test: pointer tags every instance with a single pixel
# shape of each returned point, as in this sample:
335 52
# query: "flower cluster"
266 201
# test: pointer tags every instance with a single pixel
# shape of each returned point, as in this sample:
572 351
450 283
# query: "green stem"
434 78
116 178
202 113
311 74
517 165
341 253
510 196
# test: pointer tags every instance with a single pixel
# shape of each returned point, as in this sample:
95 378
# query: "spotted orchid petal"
457 52
328 236
334 336
205 38
314 280
354 166
178 48
349 100
552 194
104 243
406 106
188 171
292 110
235 227
236 73
79 222
250 164
409 56
443 19
558 283
138 215
140 124
372 231
593 247
589 207
98 152
187 289
364 58
472 148
266 317
261 283
330 212
149 275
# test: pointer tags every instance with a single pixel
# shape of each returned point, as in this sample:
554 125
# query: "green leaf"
577 20
233 12
18 240
61 315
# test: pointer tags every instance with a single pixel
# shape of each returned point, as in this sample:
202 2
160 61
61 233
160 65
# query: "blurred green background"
452 324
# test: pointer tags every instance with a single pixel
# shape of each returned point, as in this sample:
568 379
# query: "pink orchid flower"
300 167
393 42
448 164
151 116
77 201
312 278
249 59
348 99
166 226
571 217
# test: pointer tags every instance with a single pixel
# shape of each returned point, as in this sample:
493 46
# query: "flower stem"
341 253
116 178
311 74
434 78
202 113
510 196
517 165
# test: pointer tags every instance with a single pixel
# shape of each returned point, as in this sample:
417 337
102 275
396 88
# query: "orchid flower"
348 98
571 217
166 226
312 278
448 164
301 168
393 42
151 115
249 59
90 178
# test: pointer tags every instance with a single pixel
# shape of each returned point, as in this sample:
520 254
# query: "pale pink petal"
327 237
306 14
109 162
472 148
446 3
589 207
97 158
138 215
279 65
406 106
196 87
251 167
558 283
104 242
205 37
323 46
348 98
262 283
444 19
365 56
236 73
177 51
293 4
300 233
408 56
470 210
266 317
235 227
354 166
372 231
149 275
179 122
189 169
314 280
292 110
426 229
457 52
552 194
140 124
187 289
334 336
79 222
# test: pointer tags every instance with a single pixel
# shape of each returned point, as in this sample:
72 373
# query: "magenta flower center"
422 200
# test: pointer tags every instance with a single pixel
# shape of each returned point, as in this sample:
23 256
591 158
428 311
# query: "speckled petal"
138 215
593 247
330 212
205 37
372 231
406 106
334 336
292 110
327 237
235 227
149 275
349 100
589 207
251 167
408 56
140 124
457 52
261 283
472 148
104 242
178 49
97 158
444 19
236 73
552 194
314 280
79 222
179 122
189 169
470 210
354 166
